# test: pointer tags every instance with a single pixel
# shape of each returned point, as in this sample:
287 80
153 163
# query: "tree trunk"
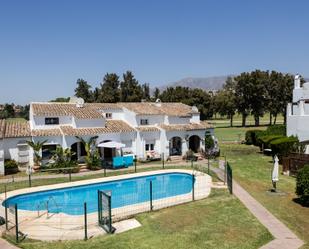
275 120
231 120
257 120
244 117
270 118
284 118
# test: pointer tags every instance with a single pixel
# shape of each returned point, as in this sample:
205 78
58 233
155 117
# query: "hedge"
265 140
283 146
276 130
302 185
251 136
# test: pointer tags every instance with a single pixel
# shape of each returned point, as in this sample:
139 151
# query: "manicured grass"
234 134
237 120
253 171
219 221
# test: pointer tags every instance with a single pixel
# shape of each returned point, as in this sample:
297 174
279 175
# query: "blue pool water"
124 192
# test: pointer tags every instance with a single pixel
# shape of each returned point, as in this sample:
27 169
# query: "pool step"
83 168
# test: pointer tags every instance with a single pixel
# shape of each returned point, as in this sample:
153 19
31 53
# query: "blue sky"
45 46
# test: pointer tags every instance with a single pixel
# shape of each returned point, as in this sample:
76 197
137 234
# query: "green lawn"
233 134
253 171
220 221
237 120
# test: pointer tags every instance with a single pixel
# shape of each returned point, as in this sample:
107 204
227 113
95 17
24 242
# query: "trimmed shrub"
276 130
265 140
251 136
302 185
10 166
283 146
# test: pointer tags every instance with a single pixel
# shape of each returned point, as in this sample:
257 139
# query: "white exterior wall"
1 158
152 119
298 115
11 149
38 122
178 120
195 118
82 123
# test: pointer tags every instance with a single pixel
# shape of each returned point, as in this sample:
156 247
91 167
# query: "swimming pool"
124 192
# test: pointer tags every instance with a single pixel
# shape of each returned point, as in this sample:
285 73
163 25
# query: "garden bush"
10 166
251 136
264 141
302 185
285 145
276 130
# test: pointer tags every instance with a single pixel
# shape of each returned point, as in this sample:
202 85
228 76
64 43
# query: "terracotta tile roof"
17 129
46 132
151 108
65 109
184 127
147 128
104 106
94 110
2 128
112 126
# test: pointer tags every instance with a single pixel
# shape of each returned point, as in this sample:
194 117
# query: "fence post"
193 180
163 160
70 177
135 163
224 169
191 162
208 163
29 178
150 195
6 217
16 222
99 211
104 163
85 221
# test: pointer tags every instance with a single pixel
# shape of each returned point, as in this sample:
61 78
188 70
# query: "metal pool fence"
50 220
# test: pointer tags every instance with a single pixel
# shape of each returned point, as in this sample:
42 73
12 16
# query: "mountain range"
206 83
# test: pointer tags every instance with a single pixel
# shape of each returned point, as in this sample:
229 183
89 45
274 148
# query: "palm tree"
92 158
88 144
37 147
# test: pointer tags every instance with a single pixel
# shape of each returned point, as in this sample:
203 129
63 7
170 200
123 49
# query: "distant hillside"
206 83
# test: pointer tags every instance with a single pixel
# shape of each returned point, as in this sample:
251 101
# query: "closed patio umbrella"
275 172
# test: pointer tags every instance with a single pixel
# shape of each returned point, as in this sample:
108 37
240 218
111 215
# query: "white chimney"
158 103
297 81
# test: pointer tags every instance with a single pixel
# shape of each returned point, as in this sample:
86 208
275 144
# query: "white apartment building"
144 127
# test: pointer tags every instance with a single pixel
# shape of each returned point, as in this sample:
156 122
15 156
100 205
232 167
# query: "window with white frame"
149 147
144 121
108 115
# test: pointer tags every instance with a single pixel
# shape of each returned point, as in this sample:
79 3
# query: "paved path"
6 245
284 237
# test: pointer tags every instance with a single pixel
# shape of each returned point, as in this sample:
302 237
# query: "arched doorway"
107 153
79 151
194 143
175 146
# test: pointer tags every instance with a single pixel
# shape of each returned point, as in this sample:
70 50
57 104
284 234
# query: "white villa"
298 112
145 127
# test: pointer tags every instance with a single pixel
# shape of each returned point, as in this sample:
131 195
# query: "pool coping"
29 190
47 228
